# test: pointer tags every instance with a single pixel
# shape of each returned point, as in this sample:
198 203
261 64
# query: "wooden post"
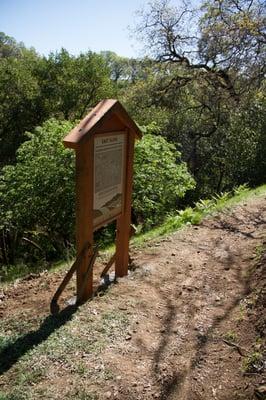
123 222
84 226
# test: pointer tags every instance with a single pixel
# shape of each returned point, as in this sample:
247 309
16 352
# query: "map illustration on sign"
109 157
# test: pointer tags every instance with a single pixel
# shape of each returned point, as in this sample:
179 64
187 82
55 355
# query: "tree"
71 85
118 66
211 63
9 47
34 88
19 91
233 39
219 42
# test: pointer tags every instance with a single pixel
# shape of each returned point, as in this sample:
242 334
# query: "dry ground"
187 323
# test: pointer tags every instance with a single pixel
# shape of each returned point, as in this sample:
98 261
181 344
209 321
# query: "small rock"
71 301
108 395
122 308
147 385
196 328
128 337
189 288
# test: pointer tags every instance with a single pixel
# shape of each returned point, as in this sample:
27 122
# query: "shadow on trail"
234 226
11 353
171 381
177 378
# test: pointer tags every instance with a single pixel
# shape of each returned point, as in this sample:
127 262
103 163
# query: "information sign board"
104 145
109 171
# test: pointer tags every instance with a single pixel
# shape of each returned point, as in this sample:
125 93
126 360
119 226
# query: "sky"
76 25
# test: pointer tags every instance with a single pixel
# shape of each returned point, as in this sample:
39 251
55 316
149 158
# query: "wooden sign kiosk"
104 146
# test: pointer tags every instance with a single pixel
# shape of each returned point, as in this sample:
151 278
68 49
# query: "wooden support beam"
123 228
80 296
84 218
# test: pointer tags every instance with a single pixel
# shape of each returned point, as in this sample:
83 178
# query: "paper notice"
109 153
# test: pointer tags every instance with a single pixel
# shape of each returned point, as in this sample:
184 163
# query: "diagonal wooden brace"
90 266
113 258
54 308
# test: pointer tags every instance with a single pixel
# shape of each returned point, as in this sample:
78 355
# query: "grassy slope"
202 209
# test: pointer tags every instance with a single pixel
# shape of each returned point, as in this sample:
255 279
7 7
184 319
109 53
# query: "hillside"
187 323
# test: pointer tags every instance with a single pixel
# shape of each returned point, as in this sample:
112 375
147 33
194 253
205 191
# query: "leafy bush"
160 178
38 197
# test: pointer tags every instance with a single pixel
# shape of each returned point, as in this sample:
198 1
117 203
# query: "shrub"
37 194
38 197
160 179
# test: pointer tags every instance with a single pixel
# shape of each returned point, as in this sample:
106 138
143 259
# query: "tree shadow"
12 352
234 225
202 340
173 382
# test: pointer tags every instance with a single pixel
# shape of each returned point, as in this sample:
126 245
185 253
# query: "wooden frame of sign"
104 146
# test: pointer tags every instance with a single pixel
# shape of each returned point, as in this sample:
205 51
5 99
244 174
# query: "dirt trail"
190 298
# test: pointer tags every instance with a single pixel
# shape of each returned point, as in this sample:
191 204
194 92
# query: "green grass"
259 250
231 336
49 349
253 363
202 209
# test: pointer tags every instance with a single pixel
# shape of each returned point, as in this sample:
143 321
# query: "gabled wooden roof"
95 120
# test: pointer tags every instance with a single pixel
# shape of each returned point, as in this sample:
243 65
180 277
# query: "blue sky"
77 25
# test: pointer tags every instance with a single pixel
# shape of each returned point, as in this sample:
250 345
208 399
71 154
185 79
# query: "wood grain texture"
123 228
84 226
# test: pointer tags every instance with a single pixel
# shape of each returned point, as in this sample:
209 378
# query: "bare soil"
195 304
